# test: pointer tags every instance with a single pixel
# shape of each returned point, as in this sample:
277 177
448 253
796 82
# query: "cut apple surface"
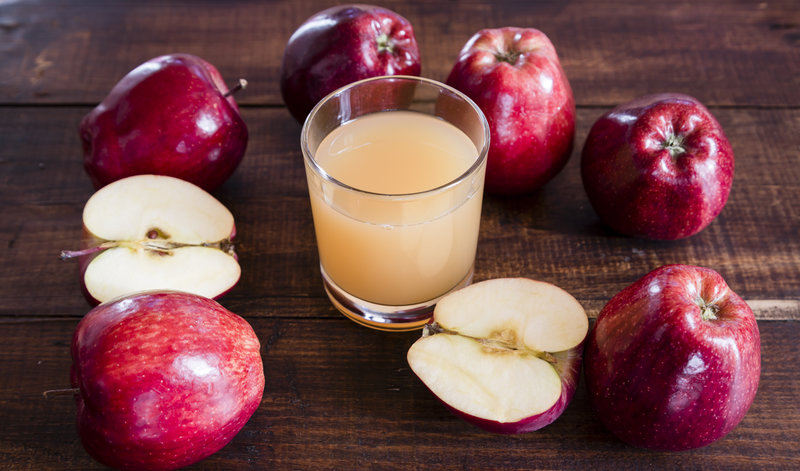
503 354
156 232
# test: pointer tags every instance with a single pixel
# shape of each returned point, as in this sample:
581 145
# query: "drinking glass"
387 255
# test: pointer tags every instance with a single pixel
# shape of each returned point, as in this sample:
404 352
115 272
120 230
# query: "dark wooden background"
339 396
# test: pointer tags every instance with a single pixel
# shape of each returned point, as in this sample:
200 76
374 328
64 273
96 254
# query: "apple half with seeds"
156 232
503 354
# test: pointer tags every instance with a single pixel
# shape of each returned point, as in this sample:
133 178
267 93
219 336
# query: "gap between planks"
763 309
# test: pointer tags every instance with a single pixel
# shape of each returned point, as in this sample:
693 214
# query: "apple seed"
500 341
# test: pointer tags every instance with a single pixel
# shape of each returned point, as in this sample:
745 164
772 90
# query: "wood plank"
339 396
551 235
729 53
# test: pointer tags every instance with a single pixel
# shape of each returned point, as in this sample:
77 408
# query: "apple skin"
515 77
658 374
165 378
639 180
569 368
343 44
168 116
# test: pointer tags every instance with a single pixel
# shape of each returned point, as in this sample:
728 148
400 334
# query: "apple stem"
61 392
708 310
385 43
66 254
241 85
674 144
508 56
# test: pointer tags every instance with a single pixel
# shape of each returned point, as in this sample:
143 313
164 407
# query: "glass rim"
479 161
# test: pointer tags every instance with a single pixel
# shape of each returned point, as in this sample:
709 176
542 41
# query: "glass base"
382 317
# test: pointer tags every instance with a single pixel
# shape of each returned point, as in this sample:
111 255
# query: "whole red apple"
173 115
673 360
658 167
343 44
166 379
515 77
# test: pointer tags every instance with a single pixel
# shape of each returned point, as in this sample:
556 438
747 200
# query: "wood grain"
727 53
339 396
552 235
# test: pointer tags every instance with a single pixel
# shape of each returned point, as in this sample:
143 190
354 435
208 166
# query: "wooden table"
339 396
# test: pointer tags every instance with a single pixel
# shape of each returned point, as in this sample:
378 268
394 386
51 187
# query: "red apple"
673 360
658 167
155 232
165 379
503 354
515 77
343 44
172 115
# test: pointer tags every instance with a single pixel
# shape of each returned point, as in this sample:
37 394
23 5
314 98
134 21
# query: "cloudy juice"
400 229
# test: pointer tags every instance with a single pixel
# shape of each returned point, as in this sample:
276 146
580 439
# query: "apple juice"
402 227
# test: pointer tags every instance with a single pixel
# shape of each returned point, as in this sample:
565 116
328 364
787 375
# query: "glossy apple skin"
515 77
343 44
165 378
638 187
568 369
658 374
168 116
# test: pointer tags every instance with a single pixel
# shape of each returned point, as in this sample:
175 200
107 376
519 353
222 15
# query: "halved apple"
503 354
156 232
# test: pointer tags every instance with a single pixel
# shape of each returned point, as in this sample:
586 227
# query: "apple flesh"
658 167
673 360
172 115
503 354
343 44
156 232
165 379
515 77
